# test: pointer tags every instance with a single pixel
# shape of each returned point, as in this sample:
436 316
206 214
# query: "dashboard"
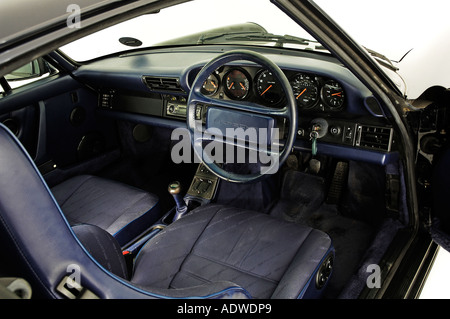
154 87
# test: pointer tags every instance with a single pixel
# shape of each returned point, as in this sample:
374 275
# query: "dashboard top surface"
126 72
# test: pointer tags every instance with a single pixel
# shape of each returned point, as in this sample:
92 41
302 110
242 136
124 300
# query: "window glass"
31 72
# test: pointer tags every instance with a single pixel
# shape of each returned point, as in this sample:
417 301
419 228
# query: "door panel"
23 123
58 124
74 131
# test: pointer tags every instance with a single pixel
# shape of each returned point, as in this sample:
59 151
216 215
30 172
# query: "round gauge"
333 94
267 87
236 84
306 90
211 85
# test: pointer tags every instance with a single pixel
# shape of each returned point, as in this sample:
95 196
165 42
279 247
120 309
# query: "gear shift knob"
175 190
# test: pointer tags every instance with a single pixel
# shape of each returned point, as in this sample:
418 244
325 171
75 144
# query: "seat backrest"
42 247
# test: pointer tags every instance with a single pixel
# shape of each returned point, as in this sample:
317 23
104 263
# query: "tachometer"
333 94
237 84
306 90
267 87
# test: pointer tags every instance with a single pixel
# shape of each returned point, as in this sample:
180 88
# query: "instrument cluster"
311 91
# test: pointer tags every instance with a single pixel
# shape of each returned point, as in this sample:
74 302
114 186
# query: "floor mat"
302 201
301 195
257 196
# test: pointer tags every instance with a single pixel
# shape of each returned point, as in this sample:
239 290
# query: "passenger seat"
122 210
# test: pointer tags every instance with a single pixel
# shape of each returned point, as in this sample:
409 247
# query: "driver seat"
213 252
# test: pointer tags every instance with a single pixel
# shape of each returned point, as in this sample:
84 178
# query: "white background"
394 27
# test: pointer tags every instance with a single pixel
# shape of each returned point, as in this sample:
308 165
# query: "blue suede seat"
268 257
121 210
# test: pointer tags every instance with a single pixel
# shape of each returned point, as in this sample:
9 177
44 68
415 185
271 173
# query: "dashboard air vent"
374 137
163 84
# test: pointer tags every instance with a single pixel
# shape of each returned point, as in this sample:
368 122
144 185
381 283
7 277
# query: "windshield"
253 22
410 33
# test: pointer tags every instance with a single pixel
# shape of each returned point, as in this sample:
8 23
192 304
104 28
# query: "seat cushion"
252 250
121 210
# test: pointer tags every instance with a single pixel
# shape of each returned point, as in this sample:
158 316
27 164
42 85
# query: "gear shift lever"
175 191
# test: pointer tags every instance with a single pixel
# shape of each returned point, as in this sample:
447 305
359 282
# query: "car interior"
94 143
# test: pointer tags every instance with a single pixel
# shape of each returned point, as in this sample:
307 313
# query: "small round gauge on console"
237 84
333 95
306 90
211 85
268 88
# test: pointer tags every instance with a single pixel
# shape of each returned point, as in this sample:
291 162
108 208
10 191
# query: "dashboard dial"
211 85
237 84
306 90
333 94
268 88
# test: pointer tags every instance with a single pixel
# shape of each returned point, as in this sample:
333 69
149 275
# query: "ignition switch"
320 126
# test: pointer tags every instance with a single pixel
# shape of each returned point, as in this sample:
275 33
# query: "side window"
30 72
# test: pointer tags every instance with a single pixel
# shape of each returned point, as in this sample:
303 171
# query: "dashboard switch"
348 134
198 112
335 130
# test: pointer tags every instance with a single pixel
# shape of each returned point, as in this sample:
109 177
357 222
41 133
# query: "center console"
203 186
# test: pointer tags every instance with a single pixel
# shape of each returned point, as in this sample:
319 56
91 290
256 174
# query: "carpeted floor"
302 201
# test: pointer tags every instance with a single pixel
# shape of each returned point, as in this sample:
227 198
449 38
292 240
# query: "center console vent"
163 84
374 137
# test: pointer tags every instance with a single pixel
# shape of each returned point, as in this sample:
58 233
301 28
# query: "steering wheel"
241 115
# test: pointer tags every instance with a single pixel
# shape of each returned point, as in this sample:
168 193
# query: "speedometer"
306 90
